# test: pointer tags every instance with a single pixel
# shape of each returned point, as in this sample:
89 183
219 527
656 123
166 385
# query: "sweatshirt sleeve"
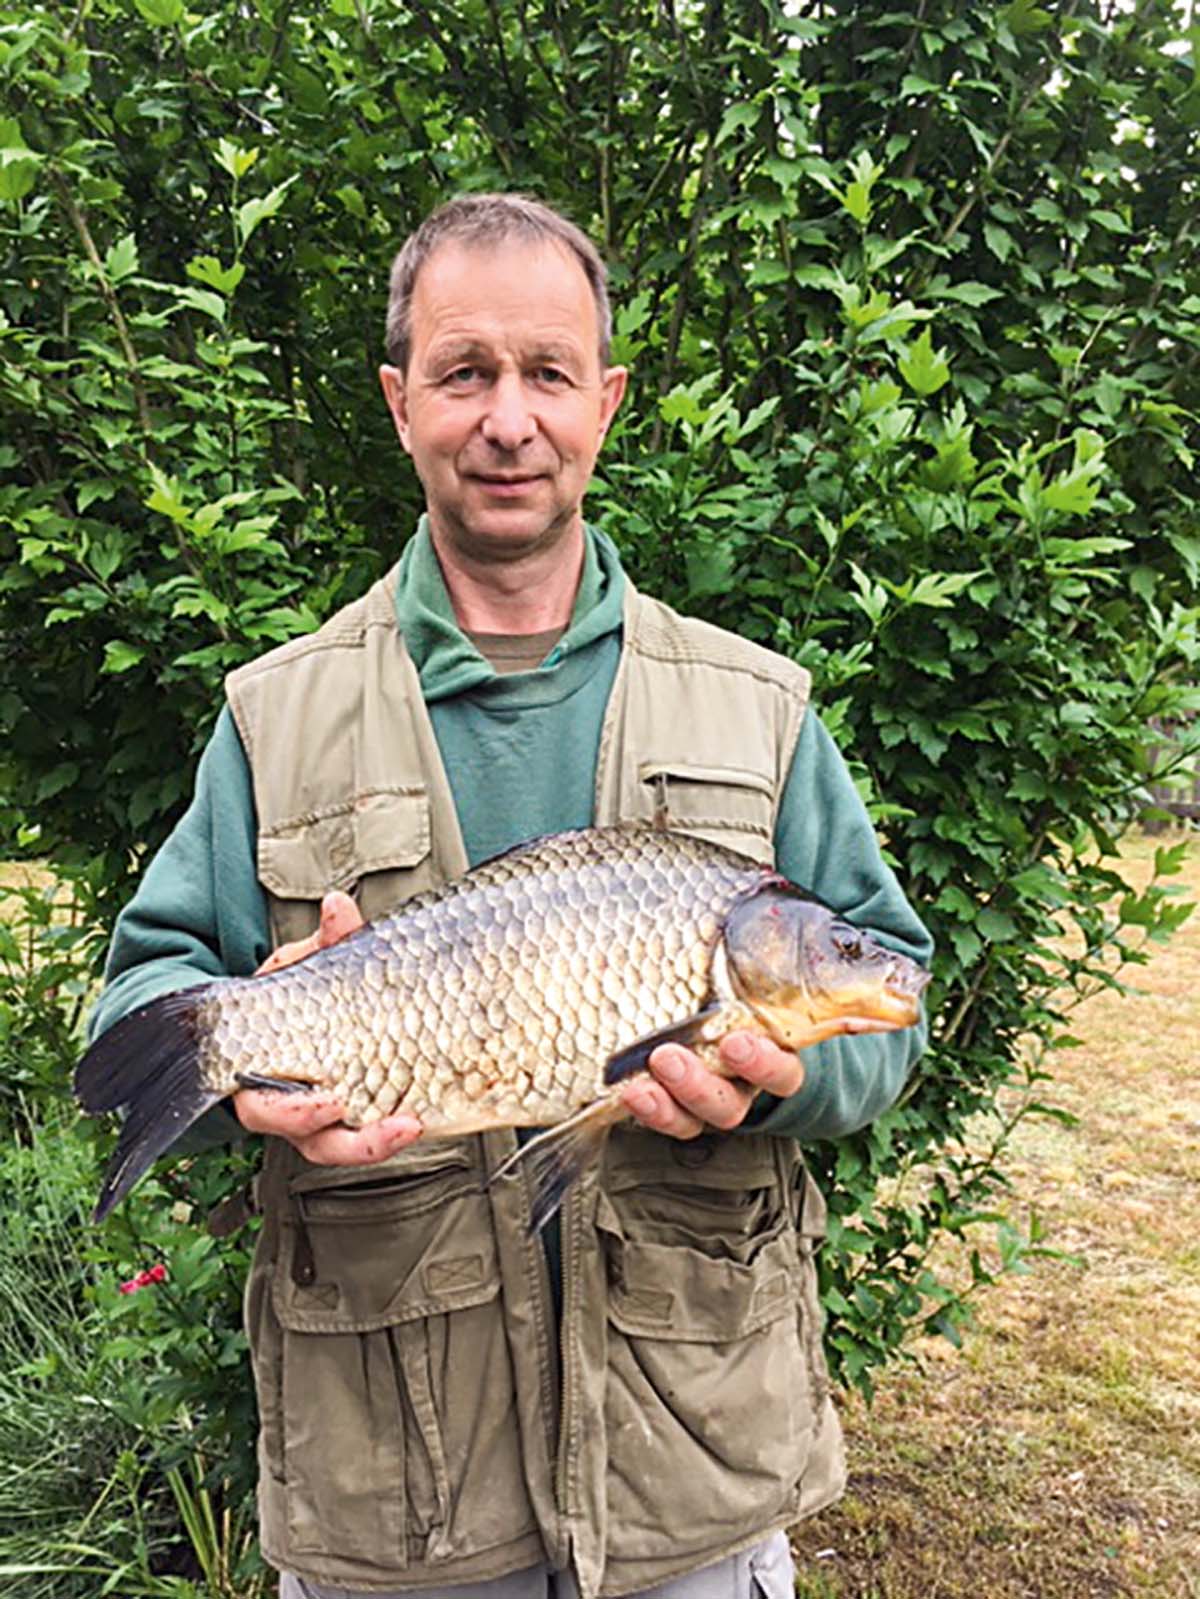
199 911
824 841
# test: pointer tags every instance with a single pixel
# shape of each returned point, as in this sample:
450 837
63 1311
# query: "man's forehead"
515 283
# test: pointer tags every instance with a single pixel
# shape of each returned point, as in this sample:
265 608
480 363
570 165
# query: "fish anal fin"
556 1159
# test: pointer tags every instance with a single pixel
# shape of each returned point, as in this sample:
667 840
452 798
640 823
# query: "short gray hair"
483 220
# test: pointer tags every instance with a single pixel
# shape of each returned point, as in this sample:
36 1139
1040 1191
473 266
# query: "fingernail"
739 1050
670 1067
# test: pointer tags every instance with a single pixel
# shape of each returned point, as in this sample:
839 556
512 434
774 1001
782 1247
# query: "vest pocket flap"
731 805
636 1159
683 1296
374 831
412 1243
691 772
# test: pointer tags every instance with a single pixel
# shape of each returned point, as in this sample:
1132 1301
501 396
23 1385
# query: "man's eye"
554 376
461 376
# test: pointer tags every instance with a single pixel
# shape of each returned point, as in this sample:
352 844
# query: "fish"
523 994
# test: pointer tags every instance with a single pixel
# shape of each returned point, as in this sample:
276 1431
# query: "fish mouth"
906 982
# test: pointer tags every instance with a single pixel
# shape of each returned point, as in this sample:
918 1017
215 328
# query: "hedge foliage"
913 310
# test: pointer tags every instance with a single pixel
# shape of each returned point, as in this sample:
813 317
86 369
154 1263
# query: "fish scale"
521 995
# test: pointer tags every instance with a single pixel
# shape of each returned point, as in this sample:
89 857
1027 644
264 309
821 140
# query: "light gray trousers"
764 1572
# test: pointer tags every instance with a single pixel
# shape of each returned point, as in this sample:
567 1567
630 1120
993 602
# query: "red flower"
156 1274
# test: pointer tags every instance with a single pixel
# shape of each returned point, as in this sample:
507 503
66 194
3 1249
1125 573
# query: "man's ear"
395 393
612 391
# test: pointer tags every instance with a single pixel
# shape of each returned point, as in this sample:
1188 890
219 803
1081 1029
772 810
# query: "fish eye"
847 942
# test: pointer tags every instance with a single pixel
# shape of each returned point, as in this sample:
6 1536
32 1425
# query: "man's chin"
507 534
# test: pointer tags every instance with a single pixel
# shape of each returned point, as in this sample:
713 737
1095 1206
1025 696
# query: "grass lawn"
1057 1455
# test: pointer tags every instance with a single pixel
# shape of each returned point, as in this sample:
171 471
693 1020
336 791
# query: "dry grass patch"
17 875
1057 1456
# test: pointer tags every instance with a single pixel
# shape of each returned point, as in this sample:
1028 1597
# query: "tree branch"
79 222
679 310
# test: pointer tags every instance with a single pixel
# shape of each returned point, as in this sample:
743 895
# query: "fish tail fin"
148 1064
558 1157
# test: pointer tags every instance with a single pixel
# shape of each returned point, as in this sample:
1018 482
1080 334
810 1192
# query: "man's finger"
706 1098
761 1063
265 1110
653 1106
340 917
359 1146
289 954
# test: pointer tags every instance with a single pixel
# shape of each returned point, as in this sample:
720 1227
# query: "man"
445 1406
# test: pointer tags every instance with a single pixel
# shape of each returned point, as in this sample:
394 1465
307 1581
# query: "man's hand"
687 1097
313 1122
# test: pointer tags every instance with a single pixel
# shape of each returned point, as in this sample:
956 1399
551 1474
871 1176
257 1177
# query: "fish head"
809 974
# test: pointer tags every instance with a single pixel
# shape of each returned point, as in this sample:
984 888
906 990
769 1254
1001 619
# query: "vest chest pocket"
396 1437
709 1388
727 805
378 840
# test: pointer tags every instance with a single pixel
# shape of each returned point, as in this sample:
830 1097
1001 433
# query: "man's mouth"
507 483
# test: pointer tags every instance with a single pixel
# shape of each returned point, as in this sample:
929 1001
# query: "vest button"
693 1152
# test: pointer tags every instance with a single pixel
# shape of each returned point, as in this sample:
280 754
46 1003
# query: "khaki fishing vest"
424 1421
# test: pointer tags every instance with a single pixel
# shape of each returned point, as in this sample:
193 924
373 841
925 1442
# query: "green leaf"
1025 16
18 164
207 269
968 293
995 926
165 497
938 589
923 368
161 13
121 259
999 241
105 555
119 655
353 201
765 273
741 116
254 212
236 161
871 598
968 946
202 300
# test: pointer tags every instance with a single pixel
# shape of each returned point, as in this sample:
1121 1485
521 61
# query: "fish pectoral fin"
558 1157
279 1085
625 1062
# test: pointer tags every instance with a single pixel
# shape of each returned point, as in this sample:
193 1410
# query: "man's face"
505 404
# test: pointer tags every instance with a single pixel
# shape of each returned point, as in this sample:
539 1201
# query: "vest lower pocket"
395 1431
709 1402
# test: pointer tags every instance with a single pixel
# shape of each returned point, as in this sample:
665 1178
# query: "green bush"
912 305
121 1469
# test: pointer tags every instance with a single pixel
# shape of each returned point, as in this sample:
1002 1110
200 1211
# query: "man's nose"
508 422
